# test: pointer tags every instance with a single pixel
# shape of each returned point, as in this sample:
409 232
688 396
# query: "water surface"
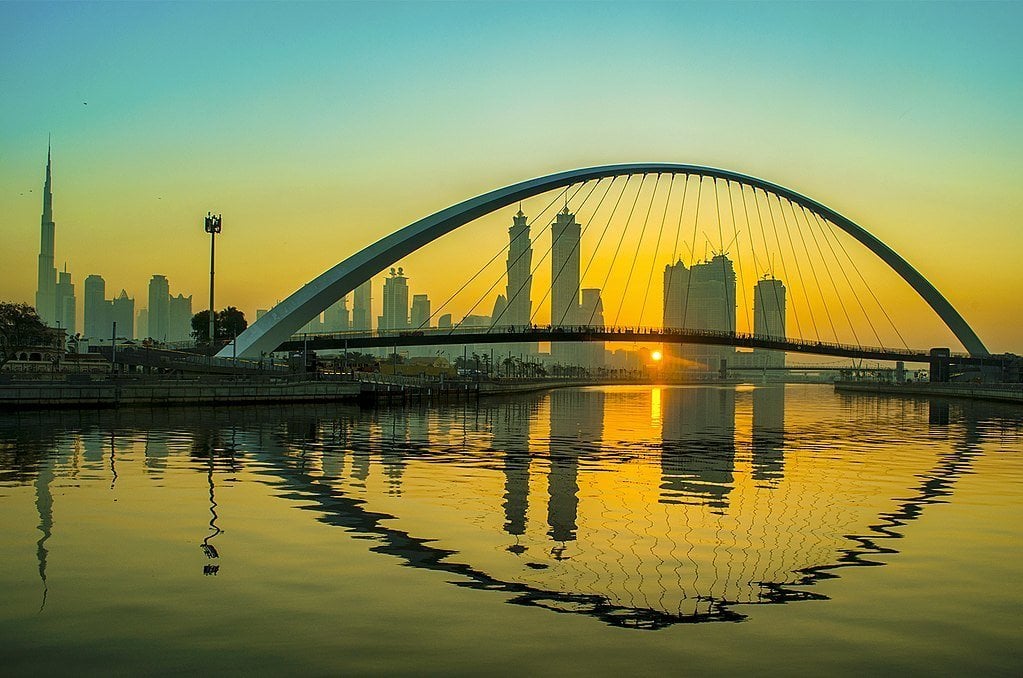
714 529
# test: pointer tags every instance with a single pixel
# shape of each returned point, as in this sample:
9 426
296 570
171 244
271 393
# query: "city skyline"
123 189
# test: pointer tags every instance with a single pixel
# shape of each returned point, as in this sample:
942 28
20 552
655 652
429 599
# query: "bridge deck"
532 333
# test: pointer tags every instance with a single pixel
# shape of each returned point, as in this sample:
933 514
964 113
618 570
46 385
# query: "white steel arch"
282 321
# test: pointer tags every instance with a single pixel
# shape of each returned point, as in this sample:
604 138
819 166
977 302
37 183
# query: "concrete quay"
1006 393
159 392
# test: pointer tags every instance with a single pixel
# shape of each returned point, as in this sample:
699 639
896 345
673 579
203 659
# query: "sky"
316 129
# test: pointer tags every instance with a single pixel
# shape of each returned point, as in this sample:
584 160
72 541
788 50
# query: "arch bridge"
276 329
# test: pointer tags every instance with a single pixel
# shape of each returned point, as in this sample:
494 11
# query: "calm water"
783 530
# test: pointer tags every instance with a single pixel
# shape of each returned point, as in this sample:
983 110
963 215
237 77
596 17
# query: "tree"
20 328
227 324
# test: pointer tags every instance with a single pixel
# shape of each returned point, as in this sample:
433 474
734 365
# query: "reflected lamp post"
212 226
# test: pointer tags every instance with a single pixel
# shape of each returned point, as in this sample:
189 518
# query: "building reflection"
664 527
511 438
768 436
577 417
698 448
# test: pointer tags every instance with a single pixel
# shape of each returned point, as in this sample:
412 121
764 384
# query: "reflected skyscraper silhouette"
769 432
44 508
698 445
511 436
577 420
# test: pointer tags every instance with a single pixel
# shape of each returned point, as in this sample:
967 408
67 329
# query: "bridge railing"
652 334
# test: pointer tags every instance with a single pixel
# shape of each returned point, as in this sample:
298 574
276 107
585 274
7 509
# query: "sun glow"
656 356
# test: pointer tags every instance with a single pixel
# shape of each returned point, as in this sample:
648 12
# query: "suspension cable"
692 253
674 250
494 258
869 288
799 270
825 235
537 266
639 244
841 267
501 276
741 284
753 253
618 247
809 261
657 247
831 276
593 254
781 253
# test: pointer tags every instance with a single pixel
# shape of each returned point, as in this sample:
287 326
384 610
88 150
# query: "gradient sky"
318 128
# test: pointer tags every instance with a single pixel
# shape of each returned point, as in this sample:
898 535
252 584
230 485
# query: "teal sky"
349 120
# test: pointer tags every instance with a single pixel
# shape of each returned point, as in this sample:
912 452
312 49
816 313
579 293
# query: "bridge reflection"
642 507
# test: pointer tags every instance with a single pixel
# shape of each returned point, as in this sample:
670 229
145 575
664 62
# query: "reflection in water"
577 417
44 507
640 507
699 445
769 433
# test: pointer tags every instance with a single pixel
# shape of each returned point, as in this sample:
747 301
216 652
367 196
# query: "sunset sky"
318 128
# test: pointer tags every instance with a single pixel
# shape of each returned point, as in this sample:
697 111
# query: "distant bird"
85 103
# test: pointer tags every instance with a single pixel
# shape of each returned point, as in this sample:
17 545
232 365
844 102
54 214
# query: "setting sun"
655 356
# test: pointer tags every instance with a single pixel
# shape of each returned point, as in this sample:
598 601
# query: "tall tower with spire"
46 289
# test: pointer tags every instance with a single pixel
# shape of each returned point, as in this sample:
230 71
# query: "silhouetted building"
362 307
699 298
46 288
518 292
395 316
97 310
565 258
66 306
336 317
769 319
444 322
592 311
420 314
179 318
122 312
159 308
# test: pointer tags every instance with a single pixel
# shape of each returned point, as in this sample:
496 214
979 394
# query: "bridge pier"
941 359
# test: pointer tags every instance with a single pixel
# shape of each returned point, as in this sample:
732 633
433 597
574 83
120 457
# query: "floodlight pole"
212 226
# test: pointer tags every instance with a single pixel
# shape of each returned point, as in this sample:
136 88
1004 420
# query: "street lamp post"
212 226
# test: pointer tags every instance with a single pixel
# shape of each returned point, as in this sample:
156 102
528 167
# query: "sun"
655 356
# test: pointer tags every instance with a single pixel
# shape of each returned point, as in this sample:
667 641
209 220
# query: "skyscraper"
395 315
122 312
518 293
46 288
565 232
769 319
65 302
335 318
420 314
565 257
362 307
96 319
592 312
520 280
159 311
703 298
179 318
